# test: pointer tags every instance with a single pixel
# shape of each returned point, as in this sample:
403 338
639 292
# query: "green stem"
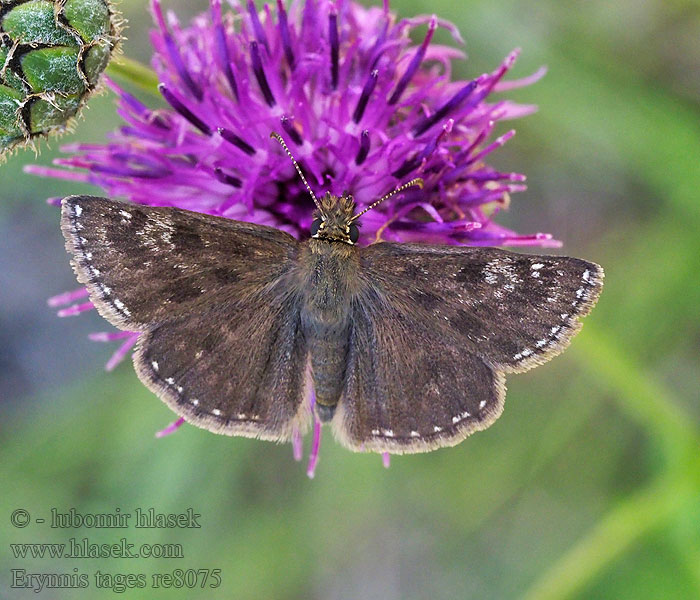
633 517
132 71
643 398
654 407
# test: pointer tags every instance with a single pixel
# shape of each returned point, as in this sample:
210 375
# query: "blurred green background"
589 484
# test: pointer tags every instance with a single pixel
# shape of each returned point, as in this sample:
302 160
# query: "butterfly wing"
145 264
214 299
236 368
435 328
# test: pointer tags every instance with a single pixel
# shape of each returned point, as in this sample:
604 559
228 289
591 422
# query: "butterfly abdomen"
329 350
325 318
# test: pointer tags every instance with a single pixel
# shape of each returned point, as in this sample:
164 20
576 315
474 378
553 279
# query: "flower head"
362 106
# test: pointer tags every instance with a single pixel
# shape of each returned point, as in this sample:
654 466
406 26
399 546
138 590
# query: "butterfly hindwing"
220 320
440 326
238 367
410 388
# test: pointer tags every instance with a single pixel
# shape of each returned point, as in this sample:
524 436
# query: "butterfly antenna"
418 182
278 137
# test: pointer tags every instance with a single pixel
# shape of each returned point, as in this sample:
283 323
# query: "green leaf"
134 72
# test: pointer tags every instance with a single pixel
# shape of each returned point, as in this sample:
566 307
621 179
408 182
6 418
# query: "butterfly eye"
354 233
315 226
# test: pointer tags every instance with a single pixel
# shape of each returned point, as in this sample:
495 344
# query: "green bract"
51 55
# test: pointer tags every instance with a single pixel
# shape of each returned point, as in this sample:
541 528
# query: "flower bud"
52 53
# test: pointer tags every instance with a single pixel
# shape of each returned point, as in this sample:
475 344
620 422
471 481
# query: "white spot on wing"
415 434
437 429
537 266
216 412
491 272
78 210
120 305
482 404
388 432
154 364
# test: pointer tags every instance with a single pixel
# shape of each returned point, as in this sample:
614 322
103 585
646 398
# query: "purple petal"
76 309
363 105
315 448
297 445
109 336
415 63
172 428
67 297
173 52
121 352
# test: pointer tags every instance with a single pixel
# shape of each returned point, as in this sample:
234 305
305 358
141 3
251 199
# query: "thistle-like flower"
363 109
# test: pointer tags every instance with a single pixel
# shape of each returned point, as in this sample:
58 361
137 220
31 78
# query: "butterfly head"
333 221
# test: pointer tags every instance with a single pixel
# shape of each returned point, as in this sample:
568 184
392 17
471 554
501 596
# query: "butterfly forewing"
514 310
439 326
147 264
215 301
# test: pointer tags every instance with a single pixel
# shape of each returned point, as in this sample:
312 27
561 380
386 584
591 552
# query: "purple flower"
362 107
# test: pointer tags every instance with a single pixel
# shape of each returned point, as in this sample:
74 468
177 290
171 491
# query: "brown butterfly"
407 344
